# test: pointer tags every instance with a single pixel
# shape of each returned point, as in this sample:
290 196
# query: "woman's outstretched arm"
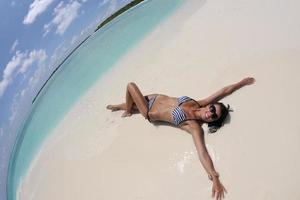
197 133
226 91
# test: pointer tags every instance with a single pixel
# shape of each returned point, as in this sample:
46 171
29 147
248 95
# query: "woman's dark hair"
215 125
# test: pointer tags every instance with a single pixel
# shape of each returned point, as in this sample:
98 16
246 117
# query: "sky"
35 36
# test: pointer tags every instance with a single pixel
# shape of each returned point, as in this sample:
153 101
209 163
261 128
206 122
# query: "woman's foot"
113 108
126 114
119 107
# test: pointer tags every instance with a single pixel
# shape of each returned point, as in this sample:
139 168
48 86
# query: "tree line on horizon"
120 11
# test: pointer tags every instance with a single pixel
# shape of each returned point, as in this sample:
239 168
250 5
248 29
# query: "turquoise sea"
77 74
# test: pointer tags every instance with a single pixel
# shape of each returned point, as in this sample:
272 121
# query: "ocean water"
78 73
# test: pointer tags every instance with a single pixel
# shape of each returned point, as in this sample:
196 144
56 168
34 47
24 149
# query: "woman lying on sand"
187 114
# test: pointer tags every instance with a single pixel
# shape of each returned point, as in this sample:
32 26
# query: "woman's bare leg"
122 106
135 97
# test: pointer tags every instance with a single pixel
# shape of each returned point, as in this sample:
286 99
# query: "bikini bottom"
150 104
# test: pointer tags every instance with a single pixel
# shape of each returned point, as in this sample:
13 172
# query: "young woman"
187 114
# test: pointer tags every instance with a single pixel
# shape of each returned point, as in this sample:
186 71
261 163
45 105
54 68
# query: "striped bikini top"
178 114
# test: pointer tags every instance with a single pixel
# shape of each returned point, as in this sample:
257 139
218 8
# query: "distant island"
123 9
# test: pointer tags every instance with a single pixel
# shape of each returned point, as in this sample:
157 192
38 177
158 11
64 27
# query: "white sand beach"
204 46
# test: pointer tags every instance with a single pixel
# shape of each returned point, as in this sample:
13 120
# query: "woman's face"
211 112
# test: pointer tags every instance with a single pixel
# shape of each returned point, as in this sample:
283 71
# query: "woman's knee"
132 86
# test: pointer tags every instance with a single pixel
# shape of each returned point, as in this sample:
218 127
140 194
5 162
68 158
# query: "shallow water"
80 71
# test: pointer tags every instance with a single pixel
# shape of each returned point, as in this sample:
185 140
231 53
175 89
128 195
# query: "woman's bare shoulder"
202 102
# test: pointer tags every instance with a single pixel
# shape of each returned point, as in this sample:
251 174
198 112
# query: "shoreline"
97 152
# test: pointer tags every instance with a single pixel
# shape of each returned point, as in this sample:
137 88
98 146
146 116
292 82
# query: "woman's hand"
218 190
247 81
